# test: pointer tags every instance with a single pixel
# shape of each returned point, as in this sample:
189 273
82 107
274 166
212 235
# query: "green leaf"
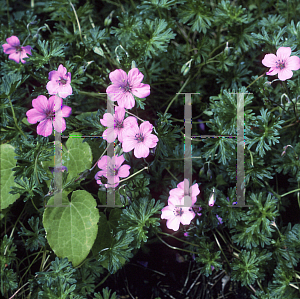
78 156
7 175
71 231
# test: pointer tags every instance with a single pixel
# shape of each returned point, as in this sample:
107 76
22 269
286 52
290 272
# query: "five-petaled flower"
116 124
59 82
140 139
112 170
176 215
124 86
282 64
48 112
16 51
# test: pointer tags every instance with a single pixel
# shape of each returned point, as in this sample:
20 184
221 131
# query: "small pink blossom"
116 124
15 50
219 219
48 112
140 139
176 215
59 82
282 63
179 192
124 86
114 172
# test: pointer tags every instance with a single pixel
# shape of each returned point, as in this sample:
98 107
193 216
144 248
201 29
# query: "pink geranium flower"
112 170
139 139
192 194
116 124
48 112
282 64
176 215
59 82
15 50
124 86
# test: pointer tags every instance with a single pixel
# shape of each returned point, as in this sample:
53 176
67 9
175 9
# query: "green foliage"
246 267
137 219
256 227
106 294
35 237
118 249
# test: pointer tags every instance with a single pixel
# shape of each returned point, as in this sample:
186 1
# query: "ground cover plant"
116 72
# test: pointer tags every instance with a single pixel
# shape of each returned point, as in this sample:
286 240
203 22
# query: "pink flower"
116 124
192 194
48 112
282 64
115 170
15 50
123 87
59 82
176 215
139 139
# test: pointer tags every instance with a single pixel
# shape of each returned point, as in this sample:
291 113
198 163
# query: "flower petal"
187 216
62 70
141 91
269 60
40 103
173 223
135 77
44 128
293 63
8 49
127 100
102 163
124 171
141 150
66 111
15 57
52 87
13 41
118 77
64 90
283 53
285 74
33 116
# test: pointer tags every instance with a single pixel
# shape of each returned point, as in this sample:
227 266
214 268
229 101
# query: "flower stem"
168 235
183 86
173 247
15 119
290 192
146 167
255 80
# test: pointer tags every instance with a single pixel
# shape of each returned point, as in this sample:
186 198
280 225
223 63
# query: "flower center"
50 114
18 49
139 138
63 81
280 64
178 212
113 171
119 124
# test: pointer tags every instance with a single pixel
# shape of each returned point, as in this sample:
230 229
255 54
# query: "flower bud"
209 174
133 64
107 21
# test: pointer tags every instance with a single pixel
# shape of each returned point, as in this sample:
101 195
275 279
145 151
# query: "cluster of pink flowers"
129 133
52 112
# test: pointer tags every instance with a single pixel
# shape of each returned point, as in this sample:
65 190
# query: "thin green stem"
146 167
290 192
14 116
183 86
168 235
176 248
103 280
77 20
255 80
